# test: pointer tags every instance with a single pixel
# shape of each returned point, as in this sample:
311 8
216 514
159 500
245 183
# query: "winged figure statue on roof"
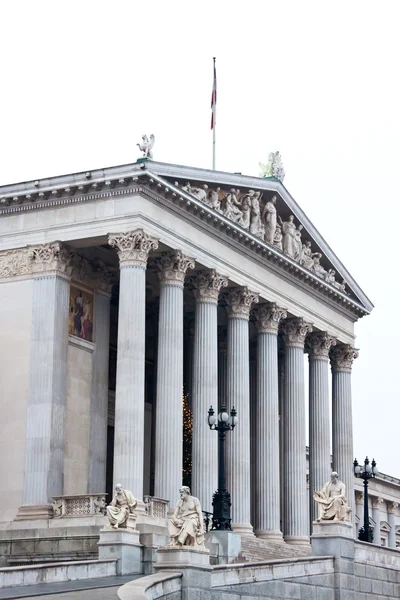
274 167
147 146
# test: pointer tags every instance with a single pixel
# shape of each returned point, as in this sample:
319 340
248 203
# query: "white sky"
82 80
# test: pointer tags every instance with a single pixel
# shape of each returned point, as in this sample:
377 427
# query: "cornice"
130 179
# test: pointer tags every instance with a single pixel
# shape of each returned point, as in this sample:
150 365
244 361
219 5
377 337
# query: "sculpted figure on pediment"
278 238
256 226
231 206
199 193
288 231
244 221
297 243
213 200
269 220
317 268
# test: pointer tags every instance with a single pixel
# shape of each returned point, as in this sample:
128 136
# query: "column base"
297 541
33 512
123 546
243 528
267 534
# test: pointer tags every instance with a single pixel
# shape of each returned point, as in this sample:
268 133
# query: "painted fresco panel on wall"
81 313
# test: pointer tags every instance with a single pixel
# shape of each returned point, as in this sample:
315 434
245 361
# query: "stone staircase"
257 550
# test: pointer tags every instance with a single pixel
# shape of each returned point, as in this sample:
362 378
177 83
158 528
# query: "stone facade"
148 256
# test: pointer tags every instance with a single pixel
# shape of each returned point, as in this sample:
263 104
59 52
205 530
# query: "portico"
148 255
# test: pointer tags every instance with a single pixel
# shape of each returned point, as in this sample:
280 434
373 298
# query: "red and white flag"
214 98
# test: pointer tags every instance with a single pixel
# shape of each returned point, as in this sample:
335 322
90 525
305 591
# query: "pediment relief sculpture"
259 217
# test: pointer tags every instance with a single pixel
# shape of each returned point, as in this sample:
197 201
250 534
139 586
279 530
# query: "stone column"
172 267
359 510
342 357
281 392
376 515
295 522
133 251
205 386
267 479
239 303
99 393
318 346
391 513
45 421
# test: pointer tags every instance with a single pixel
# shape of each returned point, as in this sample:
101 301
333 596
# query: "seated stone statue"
332 501
186 526
121 507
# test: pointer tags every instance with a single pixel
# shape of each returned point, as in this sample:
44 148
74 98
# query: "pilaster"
295 521
377 502
133 249
239 302
171 267
207 287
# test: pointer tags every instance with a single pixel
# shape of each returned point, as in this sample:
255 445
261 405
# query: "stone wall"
376 572
76 461
15 336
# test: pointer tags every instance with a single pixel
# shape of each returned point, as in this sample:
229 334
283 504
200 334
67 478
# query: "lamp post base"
221 503
365 534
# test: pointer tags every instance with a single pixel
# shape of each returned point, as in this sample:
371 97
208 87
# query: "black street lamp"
365 534
222 499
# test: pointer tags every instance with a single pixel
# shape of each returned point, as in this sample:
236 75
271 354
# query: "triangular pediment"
263 208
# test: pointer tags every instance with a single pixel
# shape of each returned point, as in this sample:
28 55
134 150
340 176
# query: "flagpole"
215 121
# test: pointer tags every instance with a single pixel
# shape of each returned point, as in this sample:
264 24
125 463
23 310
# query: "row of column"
45 455
377 503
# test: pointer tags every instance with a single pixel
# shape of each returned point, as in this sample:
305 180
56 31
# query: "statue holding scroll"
332 501
186 525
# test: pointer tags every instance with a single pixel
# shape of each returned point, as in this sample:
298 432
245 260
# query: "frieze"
260 218
15 263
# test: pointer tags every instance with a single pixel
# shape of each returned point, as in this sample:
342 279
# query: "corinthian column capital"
377 502
318 344
133 247
392 507
294 331
172 267
53 258
268 316
342 357
239 302
208 285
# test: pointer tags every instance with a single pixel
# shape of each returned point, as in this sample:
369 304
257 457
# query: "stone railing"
84 505
156 507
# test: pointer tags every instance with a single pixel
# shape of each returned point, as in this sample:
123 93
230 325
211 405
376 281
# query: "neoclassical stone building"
126 288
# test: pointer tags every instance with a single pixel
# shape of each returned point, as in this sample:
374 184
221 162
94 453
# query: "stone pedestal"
335 538
224 546
123 545
194 566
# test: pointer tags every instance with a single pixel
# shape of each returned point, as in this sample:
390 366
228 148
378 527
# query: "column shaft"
376 515
169 416
133 250
205 394
319 426
295 526
342 357
99 395
238 392
391 515
267 483
169 405
129 395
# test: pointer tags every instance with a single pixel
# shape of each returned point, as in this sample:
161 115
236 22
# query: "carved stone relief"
259 217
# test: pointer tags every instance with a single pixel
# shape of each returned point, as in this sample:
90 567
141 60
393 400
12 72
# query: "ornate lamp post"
222 498
365 533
